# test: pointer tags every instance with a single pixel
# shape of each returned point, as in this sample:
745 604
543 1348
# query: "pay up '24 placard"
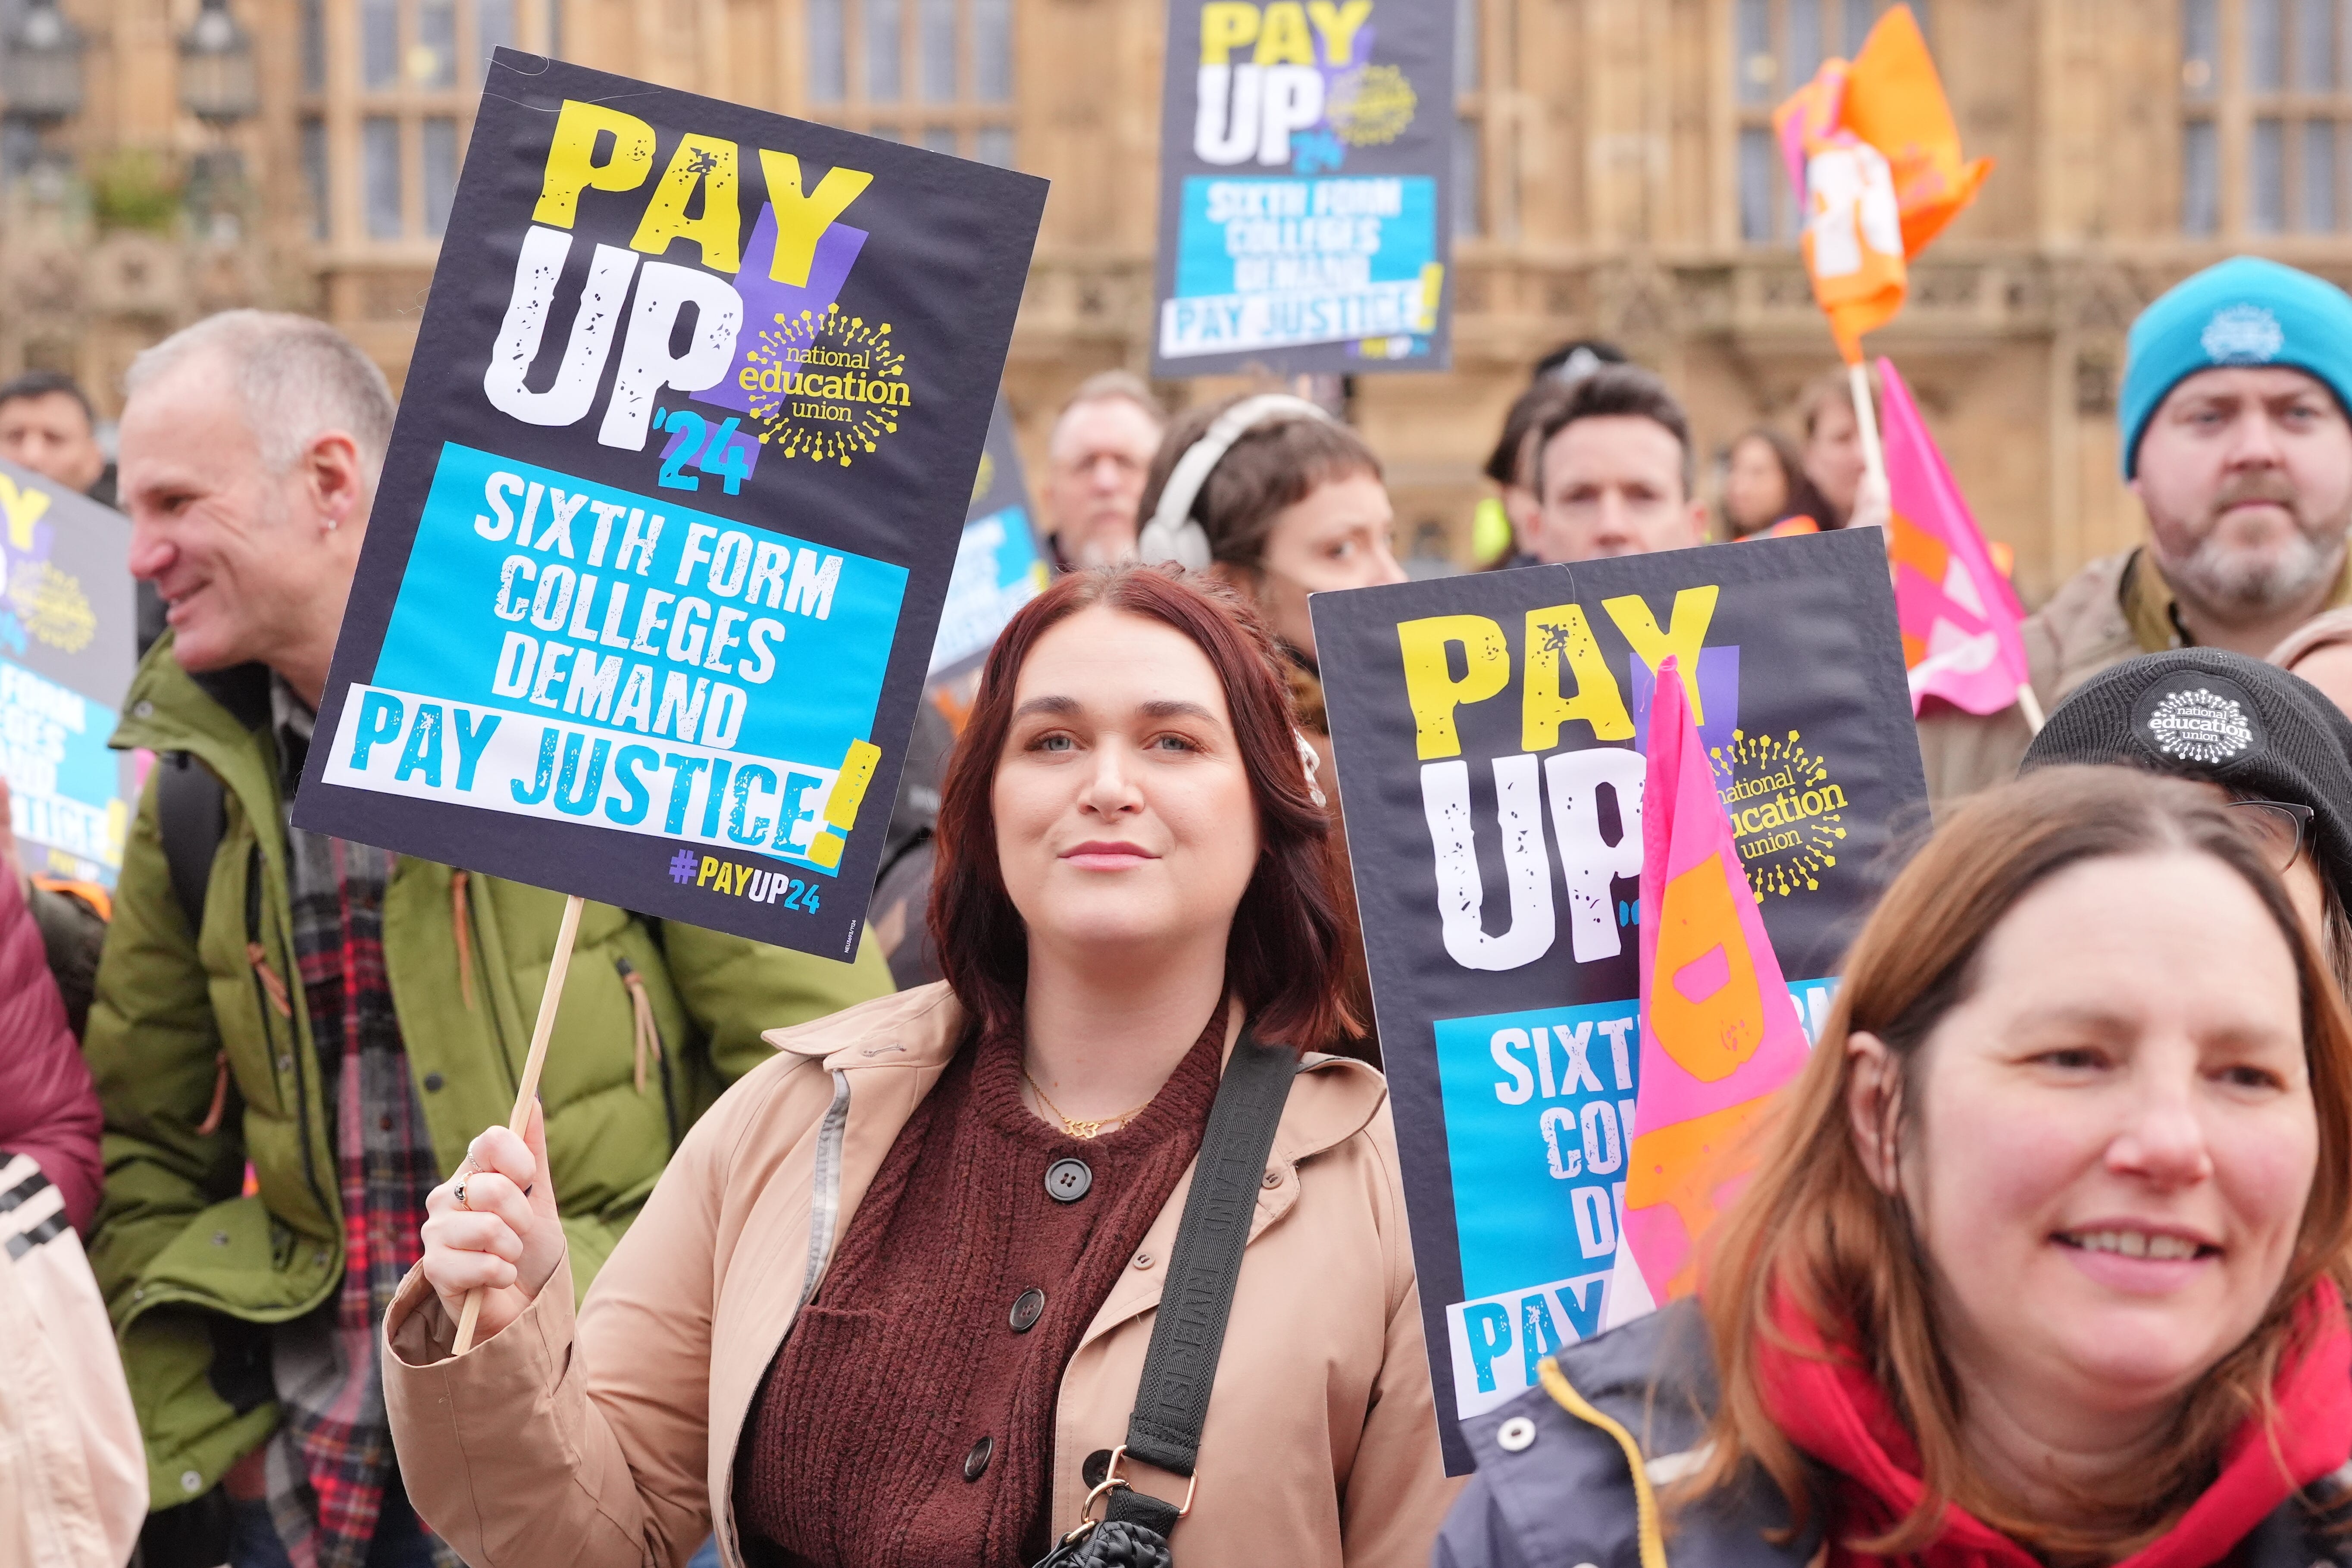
1000 563
652 581
1305 167
67 646
1489 732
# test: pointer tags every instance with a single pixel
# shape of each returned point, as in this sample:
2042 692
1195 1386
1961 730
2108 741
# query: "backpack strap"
1172 1399
192 813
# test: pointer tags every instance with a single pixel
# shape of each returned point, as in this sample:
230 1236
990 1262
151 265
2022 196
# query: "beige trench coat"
611 1442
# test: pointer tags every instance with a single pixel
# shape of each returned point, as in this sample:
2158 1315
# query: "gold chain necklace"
1075 1127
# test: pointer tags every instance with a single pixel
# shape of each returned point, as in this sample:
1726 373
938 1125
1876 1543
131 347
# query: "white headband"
1174 533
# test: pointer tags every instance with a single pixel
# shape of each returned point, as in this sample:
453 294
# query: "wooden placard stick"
528 1090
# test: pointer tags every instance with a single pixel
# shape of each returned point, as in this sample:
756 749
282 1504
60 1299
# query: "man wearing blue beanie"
2237 442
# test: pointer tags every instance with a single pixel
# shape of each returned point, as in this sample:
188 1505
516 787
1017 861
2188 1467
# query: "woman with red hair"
894 1301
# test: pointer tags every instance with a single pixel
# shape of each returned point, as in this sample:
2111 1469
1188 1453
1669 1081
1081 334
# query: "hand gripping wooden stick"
556 968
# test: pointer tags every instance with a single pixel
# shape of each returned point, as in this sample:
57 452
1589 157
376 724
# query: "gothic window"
388 90
935 73
1776 47
2265 93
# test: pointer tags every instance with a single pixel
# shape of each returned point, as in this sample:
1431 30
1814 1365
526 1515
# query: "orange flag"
1873 145
1854 233
1894 101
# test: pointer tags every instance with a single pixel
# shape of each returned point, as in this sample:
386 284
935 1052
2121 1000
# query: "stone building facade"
1616 180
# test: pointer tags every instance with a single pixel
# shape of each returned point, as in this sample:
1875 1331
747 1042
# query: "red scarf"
1834 1411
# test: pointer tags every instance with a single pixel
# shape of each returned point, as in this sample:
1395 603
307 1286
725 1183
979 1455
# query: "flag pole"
2031 705
1865 420
528 1091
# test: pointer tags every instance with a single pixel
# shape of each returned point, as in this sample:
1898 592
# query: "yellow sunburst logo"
1788 815
52 605
827 387
1370 107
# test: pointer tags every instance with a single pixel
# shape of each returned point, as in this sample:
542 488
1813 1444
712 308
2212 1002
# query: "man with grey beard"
2237 443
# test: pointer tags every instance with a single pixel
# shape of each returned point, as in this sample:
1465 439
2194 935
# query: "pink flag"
1960 617
1719 1032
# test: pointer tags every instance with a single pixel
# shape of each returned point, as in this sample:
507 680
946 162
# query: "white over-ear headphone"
1311 761
1174 533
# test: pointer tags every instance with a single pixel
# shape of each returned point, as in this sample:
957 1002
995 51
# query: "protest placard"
653 579
999 565
1306 174
1489 733
67 651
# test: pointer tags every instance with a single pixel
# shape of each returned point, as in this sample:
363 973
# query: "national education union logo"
826 386
1370 106
2199 726
2242 334
1788 815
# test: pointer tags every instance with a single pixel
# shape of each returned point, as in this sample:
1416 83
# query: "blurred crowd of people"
818 1264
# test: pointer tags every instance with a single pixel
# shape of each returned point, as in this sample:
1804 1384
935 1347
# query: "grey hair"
1111 385
298 378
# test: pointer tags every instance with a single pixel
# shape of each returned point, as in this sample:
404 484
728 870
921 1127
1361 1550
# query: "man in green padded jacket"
295 1037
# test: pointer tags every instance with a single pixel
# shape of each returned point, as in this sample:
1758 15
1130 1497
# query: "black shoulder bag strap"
191 817
1171 1400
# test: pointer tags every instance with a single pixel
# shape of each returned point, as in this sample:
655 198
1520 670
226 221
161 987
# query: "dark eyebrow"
2086 1015
1168 708
1172 708
2110 1024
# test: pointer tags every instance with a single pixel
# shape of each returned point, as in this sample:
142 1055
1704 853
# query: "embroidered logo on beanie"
2242 334
2197 717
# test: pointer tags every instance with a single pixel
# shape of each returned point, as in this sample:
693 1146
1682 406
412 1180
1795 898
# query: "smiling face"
251 563
1125 823
2246 473
2113 1137
1341 535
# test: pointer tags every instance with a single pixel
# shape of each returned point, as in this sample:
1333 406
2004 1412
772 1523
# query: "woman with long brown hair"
2045 1255
1764 484
896 1299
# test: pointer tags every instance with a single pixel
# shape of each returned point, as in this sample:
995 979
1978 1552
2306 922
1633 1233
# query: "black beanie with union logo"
2204 713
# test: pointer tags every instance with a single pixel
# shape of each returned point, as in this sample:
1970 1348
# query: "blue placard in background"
67 647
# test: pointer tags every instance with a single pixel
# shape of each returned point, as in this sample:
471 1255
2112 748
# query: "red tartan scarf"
328 1385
